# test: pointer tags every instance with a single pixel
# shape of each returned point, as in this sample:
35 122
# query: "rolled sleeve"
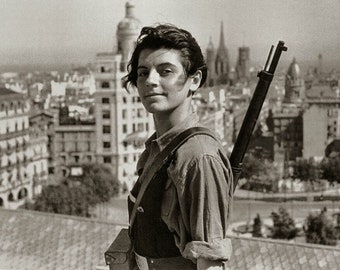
219 250
208 201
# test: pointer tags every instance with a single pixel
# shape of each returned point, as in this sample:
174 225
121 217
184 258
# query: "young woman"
182 219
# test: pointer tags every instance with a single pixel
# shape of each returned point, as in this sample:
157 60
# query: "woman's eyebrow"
139 67
166 64
161 65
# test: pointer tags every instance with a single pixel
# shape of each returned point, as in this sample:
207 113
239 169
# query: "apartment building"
23 159
122 123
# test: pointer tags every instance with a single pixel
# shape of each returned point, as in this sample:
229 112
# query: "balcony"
13 134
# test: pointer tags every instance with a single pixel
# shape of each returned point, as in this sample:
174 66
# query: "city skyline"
65 32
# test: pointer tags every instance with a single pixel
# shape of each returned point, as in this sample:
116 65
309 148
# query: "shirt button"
140 209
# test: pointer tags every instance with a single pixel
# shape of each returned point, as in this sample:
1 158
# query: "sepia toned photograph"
153 134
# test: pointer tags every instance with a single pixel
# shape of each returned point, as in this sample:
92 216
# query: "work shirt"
197 200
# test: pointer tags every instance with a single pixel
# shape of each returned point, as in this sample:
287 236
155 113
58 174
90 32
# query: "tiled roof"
34 240
256 253
39 241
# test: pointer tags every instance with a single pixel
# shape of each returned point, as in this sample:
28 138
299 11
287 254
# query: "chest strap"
163 158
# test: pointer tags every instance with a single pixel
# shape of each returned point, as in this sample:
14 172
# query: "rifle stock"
265 78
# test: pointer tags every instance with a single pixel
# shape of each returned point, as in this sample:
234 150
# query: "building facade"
321 126
73 145
23 155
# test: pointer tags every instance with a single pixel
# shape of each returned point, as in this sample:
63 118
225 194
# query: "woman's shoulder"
199 147
202 144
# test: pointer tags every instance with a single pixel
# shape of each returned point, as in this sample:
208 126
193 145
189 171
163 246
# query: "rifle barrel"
252 114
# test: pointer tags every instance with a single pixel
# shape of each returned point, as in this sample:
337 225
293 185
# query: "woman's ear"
195 81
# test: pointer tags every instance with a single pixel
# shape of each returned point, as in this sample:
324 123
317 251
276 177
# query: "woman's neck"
164 122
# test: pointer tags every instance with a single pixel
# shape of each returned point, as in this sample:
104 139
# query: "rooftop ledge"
43 241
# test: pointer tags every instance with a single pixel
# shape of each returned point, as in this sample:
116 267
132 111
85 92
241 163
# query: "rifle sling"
163 158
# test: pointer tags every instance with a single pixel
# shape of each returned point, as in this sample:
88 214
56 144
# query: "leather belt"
172 263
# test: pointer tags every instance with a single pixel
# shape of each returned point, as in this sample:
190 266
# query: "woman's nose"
152 78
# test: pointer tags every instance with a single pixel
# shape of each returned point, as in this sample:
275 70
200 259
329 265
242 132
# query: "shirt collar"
167 137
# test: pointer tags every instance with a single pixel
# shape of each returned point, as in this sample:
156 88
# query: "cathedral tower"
210 59
222 60
243 65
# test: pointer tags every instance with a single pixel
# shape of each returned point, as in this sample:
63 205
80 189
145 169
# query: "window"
125 159
124 128
105 100
124 114
124 100
140 113
106 114
105 85
140 127
107 159
106 129
76 159
106 144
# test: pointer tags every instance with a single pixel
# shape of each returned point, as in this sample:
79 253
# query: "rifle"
253 111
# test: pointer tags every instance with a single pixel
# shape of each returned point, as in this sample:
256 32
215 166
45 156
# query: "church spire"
222 60
222 41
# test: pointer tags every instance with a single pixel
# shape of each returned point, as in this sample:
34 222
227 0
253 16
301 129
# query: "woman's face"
162 83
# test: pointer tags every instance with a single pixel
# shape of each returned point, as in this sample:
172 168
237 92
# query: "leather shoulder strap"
163 158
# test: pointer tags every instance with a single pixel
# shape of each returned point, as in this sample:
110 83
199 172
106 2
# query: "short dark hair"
169 37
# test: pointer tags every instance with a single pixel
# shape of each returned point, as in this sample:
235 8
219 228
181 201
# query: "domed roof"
294 71
130 24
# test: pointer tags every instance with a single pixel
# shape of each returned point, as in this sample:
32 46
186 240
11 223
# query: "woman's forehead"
159 56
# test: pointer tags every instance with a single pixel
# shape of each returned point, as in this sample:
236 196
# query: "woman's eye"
166 71
142 73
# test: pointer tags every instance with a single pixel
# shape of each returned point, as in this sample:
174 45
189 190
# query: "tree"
330 169
320 230
252 167
63 200
283 225
306 170
257 227
102 185
75 195
260 174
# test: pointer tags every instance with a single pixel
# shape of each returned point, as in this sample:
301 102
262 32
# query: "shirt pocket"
168 198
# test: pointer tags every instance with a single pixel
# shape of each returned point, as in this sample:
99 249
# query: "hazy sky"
73 31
